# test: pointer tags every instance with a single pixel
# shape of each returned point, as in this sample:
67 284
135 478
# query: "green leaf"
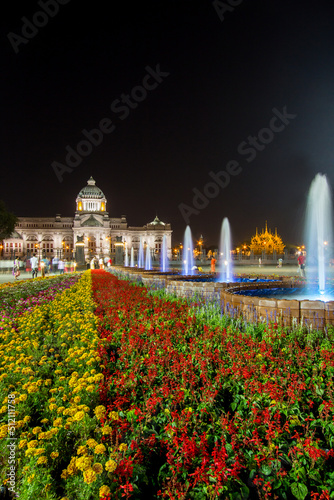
299 490
266 470
244 491
315 475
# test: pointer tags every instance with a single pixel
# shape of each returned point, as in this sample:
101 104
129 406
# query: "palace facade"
91 228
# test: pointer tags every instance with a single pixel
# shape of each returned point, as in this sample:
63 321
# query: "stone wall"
286 312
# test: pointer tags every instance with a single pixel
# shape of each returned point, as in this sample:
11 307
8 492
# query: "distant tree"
7 221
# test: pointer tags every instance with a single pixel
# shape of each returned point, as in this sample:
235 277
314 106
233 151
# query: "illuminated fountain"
126 258
319 236
188 253
148 260
226 268
163 257
141 254
132 259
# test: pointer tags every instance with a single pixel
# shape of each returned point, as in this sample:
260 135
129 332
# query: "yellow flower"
111 465
32 444
52 406
44 421
122 447
100 449
97 467
30 478
83 463
82 450
113 415
42 460
89 476
106 430
104 491
72 467
39 451
37 430
57 422
54 455
22 443
23 397
32 388
100 411
29 452
91 443
27 419
64 474
79 416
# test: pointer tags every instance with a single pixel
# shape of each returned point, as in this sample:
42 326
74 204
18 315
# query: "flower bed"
25 295
203 411
50 410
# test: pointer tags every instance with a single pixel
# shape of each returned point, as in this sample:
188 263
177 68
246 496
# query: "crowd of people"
55 265
44 266
58 265
100 263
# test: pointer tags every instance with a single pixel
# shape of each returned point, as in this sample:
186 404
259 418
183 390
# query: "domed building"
91 232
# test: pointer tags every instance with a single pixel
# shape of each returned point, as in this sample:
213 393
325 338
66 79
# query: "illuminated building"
267 242
91 227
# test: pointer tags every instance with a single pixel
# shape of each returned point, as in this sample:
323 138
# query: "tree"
7 221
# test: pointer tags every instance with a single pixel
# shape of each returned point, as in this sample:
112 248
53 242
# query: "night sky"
217 74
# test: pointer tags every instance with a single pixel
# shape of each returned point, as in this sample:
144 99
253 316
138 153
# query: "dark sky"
223 74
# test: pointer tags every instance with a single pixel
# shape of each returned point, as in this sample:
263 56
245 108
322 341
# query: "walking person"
301 261
61 266
16 268
55 261
213 265
34 266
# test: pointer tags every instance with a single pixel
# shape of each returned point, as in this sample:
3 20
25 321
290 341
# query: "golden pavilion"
267 242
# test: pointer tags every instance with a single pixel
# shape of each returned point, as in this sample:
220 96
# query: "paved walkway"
9 278
288 270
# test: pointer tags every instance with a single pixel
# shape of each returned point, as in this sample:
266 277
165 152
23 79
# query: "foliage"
7 221
209 410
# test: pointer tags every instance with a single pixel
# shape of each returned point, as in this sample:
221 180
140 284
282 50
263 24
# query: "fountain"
319 237
163 257
132 260
225 271
148 260
286 301
141 254
126 258
188 253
